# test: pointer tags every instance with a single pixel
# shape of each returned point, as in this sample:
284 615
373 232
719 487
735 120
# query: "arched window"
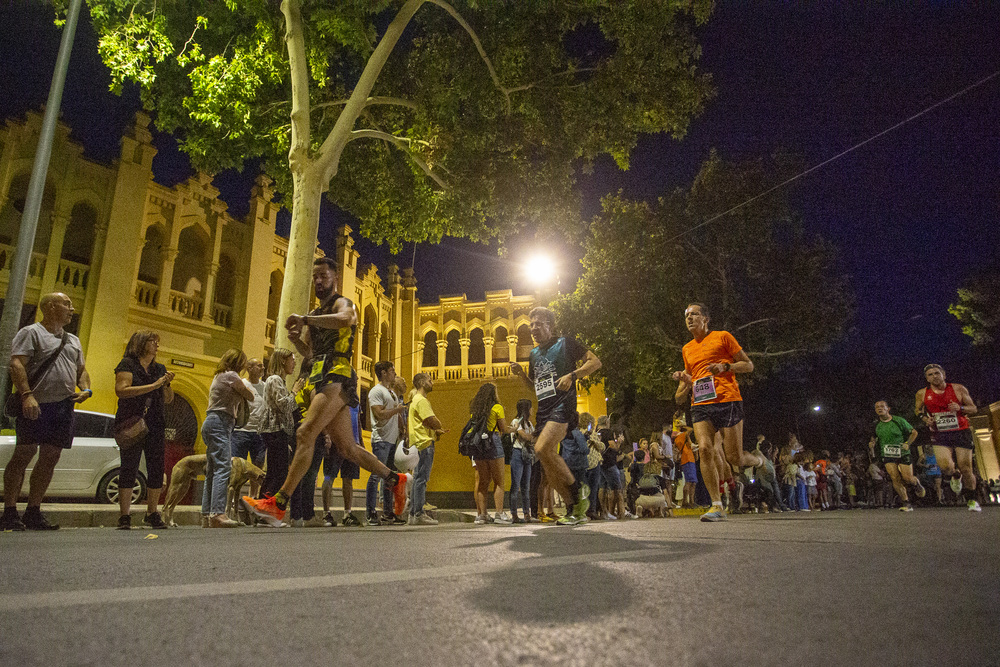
78 244
383 351
10 216
501 350
151 261
524 342
225 281
189 267
368 333
453 355
430 359
477 349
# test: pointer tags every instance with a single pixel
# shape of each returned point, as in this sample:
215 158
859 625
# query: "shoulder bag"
130 432
14 405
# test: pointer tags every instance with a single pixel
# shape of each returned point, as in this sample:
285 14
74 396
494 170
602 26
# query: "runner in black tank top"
330 390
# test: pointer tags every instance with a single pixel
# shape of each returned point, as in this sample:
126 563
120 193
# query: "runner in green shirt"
891 443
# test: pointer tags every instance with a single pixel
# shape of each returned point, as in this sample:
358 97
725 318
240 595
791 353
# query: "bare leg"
348 492
152 499
482 487
326 404
964 457
41 475
13 474
327 492
496 473
704 432
732 442
556 471
341 433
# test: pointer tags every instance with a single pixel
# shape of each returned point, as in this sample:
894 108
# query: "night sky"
914 212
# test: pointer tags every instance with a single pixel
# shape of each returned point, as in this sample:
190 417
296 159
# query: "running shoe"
518 519
568 520
715 514
974 506
266 508
10 521
34 520
610 517
552 516
350 521
549 518
921 491
582 504
956 485
124 522
906 508
222 521
629 515
154 520
480 520
329 521
502 517
423 520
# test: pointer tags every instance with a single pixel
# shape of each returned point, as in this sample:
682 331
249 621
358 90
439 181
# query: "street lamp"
540 270
817 408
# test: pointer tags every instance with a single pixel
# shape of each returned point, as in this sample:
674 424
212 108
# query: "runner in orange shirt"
711 361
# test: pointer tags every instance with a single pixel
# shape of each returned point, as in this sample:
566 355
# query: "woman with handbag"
277 419
489 464
225 396
143 387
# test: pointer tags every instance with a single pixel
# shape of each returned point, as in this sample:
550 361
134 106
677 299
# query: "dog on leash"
188 468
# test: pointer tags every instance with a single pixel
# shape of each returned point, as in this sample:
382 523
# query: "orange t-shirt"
718 347
687 456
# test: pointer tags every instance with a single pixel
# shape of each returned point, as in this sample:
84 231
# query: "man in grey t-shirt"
384 408
45 424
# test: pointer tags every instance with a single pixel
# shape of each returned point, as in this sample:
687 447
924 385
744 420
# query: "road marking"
113 596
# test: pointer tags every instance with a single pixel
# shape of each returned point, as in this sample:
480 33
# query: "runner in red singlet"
943 406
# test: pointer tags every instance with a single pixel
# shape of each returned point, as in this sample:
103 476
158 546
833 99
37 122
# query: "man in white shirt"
384 408
247 440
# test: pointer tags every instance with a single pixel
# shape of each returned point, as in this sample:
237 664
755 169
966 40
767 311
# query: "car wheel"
107 490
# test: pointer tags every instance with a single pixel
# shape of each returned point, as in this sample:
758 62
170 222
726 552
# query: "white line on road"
24 601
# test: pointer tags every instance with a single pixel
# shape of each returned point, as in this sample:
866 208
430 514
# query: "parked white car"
89 469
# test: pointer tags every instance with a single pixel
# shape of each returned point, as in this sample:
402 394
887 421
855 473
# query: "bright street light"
540 270
816 408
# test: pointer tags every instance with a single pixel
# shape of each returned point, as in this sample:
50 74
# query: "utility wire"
838 155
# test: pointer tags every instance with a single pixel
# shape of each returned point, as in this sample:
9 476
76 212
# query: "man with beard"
332 388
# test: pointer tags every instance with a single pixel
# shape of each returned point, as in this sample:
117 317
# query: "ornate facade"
133 254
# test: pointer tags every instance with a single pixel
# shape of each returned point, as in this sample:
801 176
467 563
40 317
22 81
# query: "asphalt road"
842 588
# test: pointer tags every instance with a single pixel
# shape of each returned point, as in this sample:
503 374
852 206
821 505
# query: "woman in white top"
224 398
521 459
276 419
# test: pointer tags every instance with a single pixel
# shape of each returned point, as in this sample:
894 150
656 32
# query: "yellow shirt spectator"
421 437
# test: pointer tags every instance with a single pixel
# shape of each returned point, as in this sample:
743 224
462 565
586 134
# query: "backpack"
475 439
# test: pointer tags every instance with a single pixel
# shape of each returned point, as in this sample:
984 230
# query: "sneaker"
329 521
124 522
10 521
568 520
533 519
265 508
518 519
423 520
204 521
714 514
974 506
610 517
398 521
921 491
351 521
582 504
548 518
956 485
298 523
34 520
372 520
154 520
429 508
387 520
481 520
222 521
906 508
502 517
629 515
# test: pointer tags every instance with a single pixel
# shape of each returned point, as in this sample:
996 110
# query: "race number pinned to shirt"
704 389
945 421
894 451
545 386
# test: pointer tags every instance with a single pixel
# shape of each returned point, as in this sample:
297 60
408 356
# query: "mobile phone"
635 446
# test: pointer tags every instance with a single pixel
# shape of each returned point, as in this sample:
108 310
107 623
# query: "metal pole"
14 299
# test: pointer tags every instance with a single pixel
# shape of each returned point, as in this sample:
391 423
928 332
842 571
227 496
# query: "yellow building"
133 254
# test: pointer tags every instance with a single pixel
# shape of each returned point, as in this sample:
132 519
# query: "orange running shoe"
266 508
399 494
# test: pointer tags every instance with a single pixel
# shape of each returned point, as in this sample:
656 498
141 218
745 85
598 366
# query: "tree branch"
298 153
529 86
402 144
479 47
372 101
783 353
333 145
750 324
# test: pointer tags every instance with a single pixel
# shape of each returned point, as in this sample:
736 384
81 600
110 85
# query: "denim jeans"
303 501
777 492
520 482
802 494
216 431
791 502
420 477
594 482
381 450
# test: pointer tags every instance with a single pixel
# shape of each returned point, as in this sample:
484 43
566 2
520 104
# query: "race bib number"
545 386
946 421
704 389
894 451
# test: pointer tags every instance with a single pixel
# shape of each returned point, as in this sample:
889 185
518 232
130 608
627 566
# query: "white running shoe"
956 485
974 506
502 517
480 520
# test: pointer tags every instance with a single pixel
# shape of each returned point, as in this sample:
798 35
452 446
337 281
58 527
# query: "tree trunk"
297 287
